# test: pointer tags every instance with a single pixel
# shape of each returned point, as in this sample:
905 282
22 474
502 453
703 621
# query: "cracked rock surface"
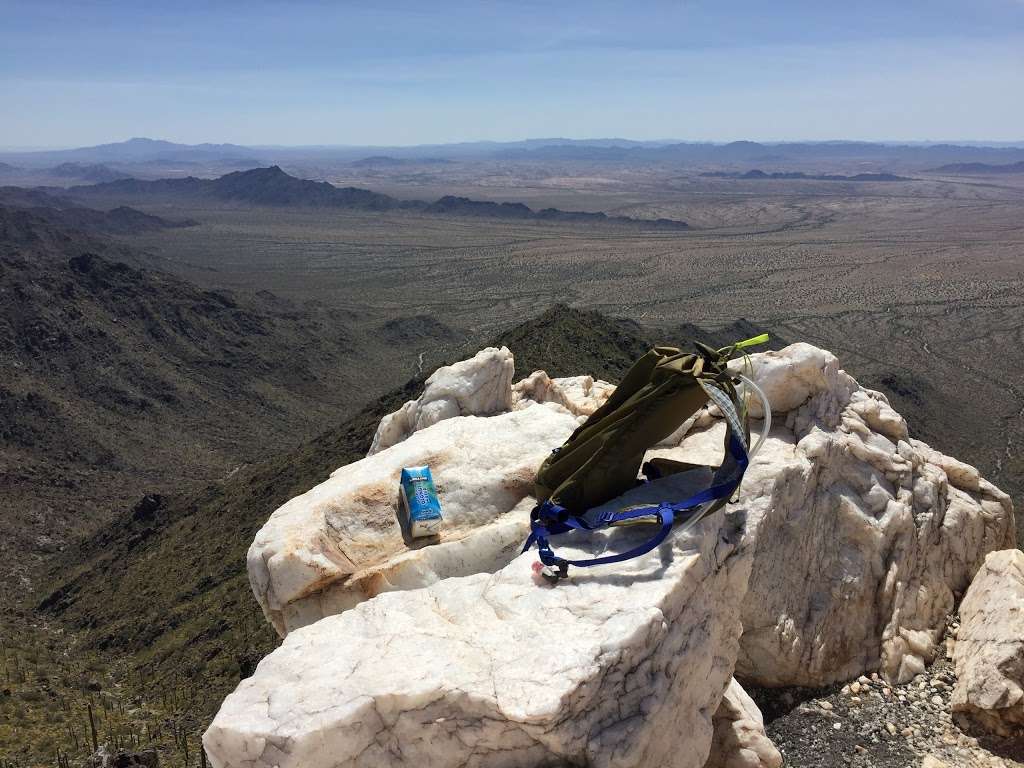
580 395
863 536
989 651
340 543
605 669
480 386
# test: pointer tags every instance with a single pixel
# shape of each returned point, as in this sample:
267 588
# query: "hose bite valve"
550 573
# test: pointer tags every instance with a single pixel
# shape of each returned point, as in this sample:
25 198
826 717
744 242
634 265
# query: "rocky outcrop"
989 651
607 669
862 535
739 738
480 386
340 543
580 395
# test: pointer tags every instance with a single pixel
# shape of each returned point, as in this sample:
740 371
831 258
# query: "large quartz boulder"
480 386
340 543
863 536
740 740
989 652
622 665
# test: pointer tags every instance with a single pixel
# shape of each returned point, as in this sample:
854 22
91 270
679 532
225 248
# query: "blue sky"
257 72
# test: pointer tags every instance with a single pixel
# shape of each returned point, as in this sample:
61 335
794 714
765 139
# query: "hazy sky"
435 71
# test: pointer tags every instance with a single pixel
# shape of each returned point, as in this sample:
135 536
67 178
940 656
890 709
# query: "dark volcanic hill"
980 168
259 186
63 212
463 206
758 175
272 186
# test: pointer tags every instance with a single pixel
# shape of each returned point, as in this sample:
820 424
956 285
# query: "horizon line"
995 144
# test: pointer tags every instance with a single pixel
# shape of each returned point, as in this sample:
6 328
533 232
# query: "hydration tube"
766 421
766 425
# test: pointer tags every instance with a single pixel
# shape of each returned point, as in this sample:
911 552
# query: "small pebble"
855 687
826 705
891 729
837 726
937 701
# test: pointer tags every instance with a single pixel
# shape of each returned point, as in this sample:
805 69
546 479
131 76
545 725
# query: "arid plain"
917 285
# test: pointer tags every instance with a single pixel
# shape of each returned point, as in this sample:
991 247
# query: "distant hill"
95 172
60 211
980 168
757 175
259 186
272 186
137 150
463 206
387 161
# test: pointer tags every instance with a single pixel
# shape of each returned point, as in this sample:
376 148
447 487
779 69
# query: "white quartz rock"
740 740
862 535
580 395
339 543
989 652
616 667
480 386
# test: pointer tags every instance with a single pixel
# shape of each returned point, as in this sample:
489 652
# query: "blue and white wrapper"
420 509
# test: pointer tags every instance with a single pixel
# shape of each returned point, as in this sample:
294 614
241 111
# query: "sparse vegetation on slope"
109 366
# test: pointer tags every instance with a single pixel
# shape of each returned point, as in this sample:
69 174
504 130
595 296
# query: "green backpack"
602 459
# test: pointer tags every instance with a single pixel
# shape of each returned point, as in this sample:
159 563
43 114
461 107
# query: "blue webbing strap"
550 519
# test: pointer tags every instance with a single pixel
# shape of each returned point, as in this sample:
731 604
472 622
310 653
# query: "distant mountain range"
756 152
138 150
758 175
272 186
981 168
144 151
